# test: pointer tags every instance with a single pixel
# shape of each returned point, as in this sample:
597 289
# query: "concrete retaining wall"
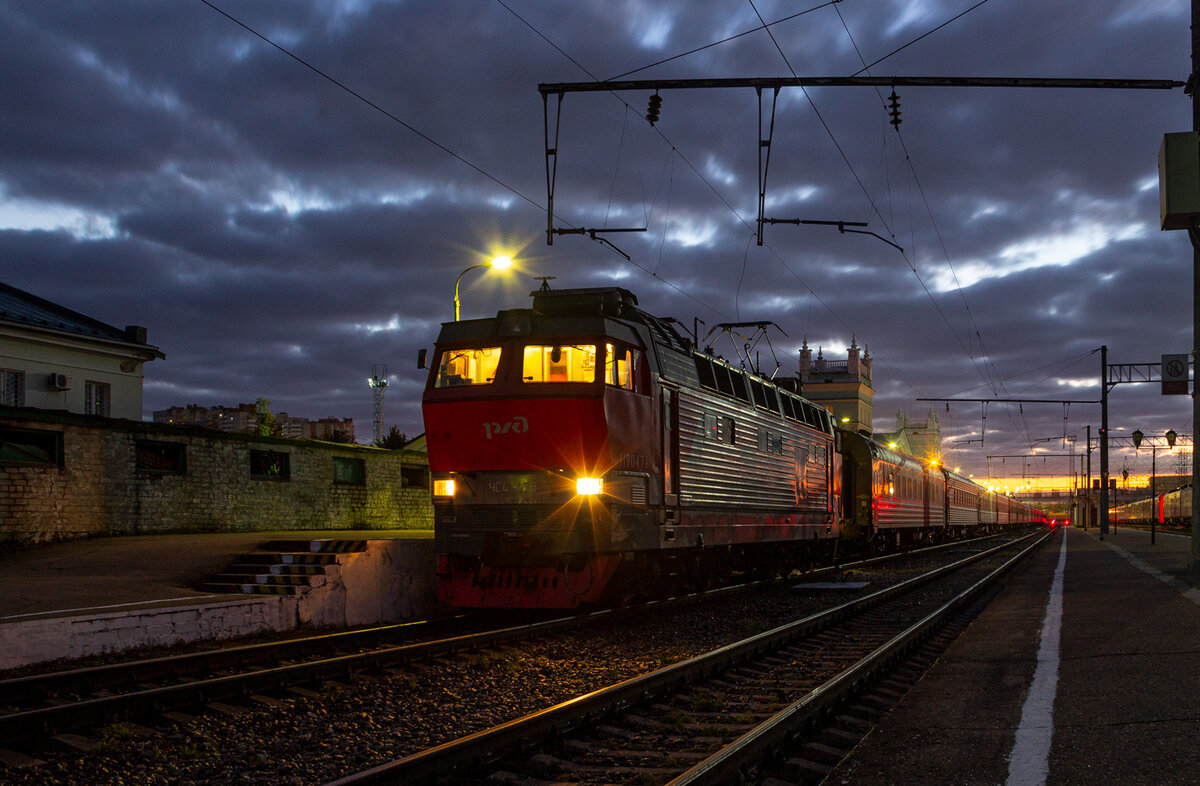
392 581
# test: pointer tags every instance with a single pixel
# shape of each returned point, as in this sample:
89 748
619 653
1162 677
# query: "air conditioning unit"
60 382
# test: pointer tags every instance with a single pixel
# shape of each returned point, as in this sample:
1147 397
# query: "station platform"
1079 674
85 597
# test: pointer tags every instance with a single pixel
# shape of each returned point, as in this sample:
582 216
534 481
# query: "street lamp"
1171 436
499 263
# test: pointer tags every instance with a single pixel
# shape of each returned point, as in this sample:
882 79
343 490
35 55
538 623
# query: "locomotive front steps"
281 567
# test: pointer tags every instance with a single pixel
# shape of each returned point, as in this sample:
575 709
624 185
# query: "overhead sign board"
1175 375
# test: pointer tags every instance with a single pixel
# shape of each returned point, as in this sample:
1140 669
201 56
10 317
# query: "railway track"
718 716
41 707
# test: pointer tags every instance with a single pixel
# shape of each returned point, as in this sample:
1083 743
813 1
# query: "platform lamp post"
1137 443
499 263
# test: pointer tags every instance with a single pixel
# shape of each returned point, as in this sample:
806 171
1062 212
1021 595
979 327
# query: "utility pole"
1191 88
1087 493
1104 433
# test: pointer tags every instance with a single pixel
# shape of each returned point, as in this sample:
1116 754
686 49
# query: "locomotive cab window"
559 363
475 366
619 366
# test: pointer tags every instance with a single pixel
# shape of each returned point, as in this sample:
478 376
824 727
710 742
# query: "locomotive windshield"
475 366
559 363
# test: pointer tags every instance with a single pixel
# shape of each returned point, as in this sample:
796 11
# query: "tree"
394 440
340 435
266 424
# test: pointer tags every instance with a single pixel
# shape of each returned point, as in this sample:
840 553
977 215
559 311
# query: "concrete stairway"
281 567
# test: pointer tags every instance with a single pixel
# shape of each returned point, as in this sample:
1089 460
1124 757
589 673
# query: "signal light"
894 109
653 108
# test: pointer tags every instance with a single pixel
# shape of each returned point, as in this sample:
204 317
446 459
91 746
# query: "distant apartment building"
54 358
244 419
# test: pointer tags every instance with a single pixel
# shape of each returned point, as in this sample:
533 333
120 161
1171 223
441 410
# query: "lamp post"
1137 442
499 263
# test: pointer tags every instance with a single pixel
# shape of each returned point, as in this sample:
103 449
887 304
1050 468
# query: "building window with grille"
12 388
167 458
96 398
349 471
269 465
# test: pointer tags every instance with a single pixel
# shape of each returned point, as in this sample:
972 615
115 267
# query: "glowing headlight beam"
588 486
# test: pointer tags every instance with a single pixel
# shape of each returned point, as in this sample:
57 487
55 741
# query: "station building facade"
54 358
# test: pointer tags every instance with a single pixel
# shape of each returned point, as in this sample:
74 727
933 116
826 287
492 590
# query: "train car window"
772 400
724 384
787 405
618 366
739 385
760 396
704 370
476 366
559 363
719 428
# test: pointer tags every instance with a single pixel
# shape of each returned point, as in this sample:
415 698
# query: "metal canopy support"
858 81
775 84
592 233
551 159
764 155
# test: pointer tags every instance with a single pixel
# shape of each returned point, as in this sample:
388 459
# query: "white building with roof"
54 358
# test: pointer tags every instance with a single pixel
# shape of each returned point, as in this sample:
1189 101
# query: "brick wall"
65 476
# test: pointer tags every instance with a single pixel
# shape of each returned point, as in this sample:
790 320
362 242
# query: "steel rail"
24 689
468 754
31 723
731 762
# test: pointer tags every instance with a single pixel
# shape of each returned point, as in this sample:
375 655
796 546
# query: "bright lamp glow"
443 488
502 262
588 486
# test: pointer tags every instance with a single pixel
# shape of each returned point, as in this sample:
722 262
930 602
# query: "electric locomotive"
582 449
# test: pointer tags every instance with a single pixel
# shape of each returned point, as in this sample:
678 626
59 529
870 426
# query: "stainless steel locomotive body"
583 444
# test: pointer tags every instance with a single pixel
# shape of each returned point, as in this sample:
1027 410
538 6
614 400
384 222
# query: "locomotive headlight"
443 488
588 487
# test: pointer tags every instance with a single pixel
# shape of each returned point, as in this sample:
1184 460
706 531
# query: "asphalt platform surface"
1117 703
108 574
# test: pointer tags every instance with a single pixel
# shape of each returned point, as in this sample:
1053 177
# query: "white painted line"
102 608
1185 589
1030 759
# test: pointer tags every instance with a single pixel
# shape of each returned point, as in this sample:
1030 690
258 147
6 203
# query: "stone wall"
65 476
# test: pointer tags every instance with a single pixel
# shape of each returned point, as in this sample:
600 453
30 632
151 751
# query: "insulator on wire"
653 108
894 109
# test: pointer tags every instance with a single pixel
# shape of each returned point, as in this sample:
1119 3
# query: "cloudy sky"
279 234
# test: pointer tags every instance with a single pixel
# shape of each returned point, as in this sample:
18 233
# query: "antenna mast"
378 382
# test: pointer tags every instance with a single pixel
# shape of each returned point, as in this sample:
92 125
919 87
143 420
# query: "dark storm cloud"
160 165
